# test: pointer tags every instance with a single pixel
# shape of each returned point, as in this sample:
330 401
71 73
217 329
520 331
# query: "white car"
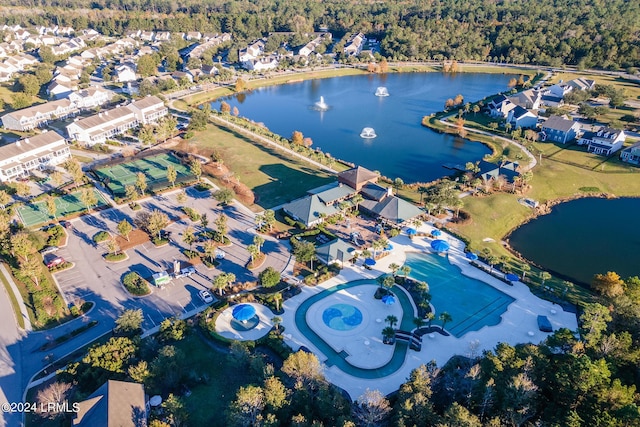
185 272
205 296
219 254
49 250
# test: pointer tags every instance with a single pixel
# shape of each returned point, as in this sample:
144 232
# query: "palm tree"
429 317
392 320
276 320
253 252
445 318
388 335
258 241
356 200
405 270
277 298
419 322
394 268
220 282
544 276
525 268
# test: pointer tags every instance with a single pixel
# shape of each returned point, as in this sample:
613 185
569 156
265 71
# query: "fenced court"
37 213
117 176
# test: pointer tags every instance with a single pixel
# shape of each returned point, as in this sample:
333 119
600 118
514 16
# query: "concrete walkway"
518 323
224 328
16 292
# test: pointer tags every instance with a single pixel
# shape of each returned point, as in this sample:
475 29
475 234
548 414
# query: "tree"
75 170
248 406
5 198
391 320
141 183
276 320
544 276
181 197
209 249
29 84
405 270
168 127
371 409
525 269
241 85
204 221
305 369
32 268
112 245
224 196
139 372
388 334
220 283
50 202
177 414
277 298
594 322
413 406
130 192
269 277
21 245
125 228
147 65
172 175
188 236
265 220
304 252
57 177
275 392
20 100
23 189
88 198
129 322
225 108
52 398
394 268
253 252
146 135
297 138
195 167
609 284
221 227
444 318
172 329
156 222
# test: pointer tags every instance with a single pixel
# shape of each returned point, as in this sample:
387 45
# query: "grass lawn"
578 155
208 402
272 175
632 89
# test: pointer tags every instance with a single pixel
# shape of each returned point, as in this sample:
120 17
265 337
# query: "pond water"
402 147
584 237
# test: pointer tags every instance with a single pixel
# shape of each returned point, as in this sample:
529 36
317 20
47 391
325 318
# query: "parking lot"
93 279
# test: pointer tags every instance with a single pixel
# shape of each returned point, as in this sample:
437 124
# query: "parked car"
185 272
51 260
48 250
205 296
219 254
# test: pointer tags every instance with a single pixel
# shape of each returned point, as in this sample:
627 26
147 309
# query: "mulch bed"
136 237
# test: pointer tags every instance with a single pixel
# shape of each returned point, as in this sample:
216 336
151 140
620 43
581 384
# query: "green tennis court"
117 177
37 213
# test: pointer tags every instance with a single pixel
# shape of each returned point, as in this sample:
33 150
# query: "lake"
584 237
403 147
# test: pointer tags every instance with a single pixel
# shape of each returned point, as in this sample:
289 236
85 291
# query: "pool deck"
364 345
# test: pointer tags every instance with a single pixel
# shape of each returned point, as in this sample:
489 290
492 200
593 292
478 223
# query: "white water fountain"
321 105
382 91
368 133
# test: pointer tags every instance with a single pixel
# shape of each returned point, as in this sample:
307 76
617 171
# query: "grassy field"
273 176
577 155
14 301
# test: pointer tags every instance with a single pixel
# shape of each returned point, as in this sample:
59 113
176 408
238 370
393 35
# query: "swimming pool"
342 317
471 303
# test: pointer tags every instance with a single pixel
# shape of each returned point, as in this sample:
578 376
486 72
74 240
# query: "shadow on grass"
287 184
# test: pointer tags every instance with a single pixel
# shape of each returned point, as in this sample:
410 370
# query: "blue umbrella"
388 299
511 277
369 262
389 247
440 245
243 312
411 231
436 233
472 256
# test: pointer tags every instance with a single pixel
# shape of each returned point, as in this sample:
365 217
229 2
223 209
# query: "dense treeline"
586 33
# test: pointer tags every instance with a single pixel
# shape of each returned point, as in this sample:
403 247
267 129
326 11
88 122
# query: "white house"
529 99
57 90
38 115
559 90
605 141
631 154
91 97
522 118
582 84
265 63
35 152
149 109
559 129
354 45
500 107
126 73
251 52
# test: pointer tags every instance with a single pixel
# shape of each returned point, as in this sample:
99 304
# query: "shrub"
191 213
191 254
115 257
135 206
56 234
160 241
135 284
210 264
101 236
202 186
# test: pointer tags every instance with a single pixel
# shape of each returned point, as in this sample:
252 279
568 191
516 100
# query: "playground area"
69 204
117 176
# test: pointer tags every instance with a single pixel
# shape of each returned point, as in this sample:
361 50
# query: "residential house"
64 31
147 36
559 90
22 34
354 45
631 154
91 97
500 106
522 118
193 35
335 251
126 73
582 84
392 210
149 109
163 36
357 177
35 152
38 115
102 126
179 75
209 70
57 90
605 141
529 99
559 129
251 52
114 404
261 64
310 47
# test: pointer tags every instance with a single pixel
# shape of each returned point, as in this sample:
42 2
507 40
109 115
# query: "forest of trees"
585 33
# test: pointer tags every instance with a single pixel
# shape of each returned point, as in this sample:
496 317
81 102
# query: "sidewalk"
16 293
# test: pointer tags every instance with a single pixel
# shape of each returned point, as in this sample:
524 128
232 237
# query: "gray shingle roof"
27 144
557 123
114 404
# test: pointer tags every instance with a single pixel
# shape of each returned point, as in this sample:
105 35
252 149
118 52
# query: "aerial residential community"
319 213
